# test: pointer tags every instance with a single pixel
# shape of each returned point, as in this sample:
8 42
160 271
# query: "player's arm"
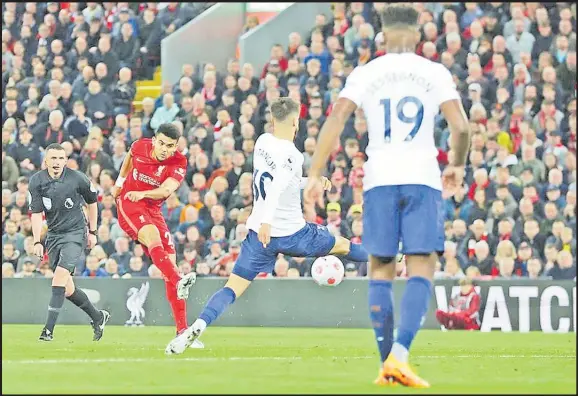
450 104
36 208
124 169
349 99
329 134
170 185
90 195
324 181
459 126
165 190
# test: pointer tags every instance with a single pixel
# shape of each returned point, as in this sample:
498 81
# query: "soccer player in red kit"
464 310
153 170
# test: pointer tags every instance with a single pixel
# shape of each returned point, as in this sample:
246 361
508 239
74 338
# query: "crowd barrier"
516 305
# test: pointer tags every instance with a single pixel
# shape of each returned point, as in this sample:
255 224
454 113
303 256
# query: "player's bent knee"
61 277
237 284
341 246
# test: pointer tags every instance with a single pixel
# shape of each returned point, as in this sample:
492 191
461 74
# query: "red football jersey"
148 173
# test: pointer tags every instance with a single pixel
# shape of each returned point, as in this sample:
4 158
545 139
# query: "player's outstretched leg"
150 237
349 251
217 304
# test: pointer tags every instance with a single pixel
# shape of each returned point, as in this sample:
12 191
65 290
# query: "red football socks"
164 264
179 307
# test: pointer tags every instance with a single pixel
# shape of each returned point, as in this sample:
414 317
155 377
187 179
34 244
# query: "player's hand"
115 191
452 179
39 250
326 183
265 234
313 190
134 196
91 242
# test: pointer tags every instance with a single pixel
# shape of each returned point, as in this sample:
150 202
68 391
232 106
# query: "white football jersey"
277 182
400 95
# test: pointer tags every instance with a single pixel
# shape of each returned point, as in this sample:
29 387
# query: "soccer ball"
327 271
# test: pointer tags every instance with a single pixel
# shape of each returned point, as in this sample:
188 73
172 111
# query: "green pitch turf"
279 360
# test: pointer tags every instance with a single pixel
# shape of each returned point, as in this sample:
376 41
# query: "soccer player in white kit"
276 224
400 93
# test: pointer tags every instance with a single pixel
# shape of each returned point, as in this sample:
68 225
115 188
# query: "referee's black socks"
80 299
54 307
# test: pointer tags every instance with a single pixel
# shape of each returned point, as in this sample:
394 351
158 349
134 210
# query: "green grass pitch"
279 360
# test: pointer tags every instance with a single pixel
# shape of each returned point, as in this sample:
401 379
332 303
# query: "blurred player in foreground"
276 224
60 193
401 94
150 173
464 309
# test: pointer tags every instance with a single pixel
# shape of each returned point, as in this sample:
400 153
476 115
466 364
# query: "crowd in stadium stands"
68 76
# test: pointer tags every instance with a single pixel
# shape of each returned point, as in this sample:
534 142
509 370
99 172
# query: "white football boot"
186 282
187 339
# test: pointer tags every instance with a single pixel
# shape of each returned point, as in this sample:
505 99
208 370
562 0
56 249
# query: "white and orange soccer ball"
327 271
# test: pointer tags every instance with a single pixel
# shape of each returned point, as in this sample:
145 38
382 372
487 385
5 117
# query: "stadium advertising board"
518 305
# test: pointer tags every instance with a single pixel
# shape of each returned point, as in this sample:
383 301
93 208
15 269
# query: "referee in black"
59 193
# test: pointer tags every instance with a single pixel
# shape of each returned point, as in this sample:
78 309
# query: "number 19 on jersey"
400 112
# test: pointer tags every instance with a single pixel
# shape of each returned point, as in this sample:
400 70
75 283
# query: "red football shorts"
132 216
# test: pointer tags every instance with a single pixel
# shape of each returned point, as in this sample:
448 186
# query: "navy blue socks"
381 314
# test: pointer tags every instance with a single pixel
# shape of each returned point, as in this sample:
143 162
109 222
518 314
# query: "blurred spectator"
69 76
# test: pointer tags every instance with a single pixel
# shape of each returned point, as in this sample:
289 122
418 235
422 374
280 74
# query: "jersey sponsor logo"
180 172
68 203
47 202
135 302
144 178
159 171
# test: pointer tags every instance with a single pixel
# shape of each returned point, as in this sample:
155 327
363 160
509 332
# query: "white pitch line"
246 358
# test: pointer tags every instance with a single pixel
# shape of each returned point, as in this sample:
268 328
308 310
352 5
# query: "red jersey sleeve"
179 169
